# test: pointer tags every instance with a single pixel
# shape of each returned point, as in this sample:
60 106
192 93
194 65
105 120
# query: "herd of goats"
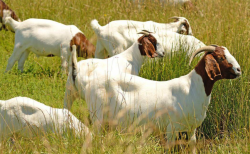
111 87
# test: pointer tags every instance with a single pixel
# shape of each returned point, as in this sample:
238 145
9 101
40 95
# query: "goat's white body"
172 42
130 62
29 117
118 35
42 37
182 101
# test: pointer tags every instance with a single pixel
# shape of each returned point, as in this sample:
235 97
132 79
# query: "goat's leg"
95 102
99 51
64 59
22 60
70 94
171 137
16 55
192 141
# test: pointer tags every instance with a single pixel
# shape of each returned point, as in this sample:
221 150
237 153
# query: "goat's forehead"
230 58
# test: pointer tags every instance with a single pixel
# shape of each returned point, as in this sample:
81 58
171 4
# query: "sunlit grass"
226 128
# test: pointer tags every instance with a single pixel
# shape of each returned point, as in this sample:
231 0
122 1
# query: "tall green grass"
226 128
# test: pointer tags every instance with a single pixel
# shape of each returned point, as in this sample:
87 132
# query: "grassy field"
226 128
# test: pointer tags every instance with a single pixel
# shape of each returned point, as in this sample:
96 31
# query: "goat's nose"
238 69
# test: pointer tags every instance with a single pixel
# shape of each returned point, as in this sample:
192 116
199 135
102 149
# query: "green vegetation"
226 128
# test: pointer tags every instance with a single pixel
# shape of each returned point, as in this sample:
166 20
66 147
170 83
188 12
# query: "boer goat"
3 6
177 105
46 38
128 62
29 118
117 36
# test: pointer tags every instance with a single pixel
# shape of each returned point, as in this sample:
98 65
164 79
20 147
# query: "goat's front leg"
192 141
99 51
22 60
70 95
171 137
16 55
64 59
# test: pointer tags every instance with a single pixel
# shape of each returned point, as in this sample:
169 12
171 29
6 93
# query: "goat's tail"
7 20
73 63
95 26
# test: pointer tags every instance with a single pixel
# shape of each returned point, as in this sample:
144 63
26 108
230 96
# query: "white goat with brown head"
128 62
117 36
3 6
177 105
45 38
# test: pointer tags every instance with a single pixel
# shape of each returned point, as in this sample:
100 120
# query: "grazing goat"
128 62
177 105
3 6
46 38
117 36
29 117
172 42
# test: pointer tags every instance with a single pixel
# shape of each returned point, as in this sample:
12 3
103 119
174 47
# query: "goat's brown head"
3 7
219 63
84 47
149 46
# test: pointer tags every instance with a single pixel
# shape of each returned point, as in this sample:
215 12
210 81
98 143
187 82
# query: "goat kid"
3 6
29 117
117 36
177 105
46 38
128 62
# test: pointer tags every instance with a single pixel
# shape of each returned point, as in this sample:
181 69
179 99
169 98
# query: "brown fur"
3 6
83 47
148 46
186 25
213 67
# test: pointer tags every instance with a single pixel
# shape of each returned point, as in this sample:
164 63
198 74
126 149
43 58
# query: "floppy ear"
212 67
146 47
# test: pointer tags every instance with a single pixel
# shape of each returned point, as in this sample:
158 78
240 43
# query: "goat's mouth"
160 55
233 75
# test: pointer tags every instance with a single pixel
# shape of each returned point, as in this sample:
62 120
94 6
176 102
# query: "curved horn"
146 31
214 45
206 48
175 17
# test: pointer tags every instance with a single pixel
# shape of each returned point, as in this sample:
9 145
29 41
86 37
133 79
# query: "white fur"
129 61
29 117
176 105
172 42
117 36
42 37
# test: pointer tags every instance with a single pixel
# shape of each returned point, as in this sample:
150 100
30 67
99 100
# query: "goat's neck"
133 56
208 83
